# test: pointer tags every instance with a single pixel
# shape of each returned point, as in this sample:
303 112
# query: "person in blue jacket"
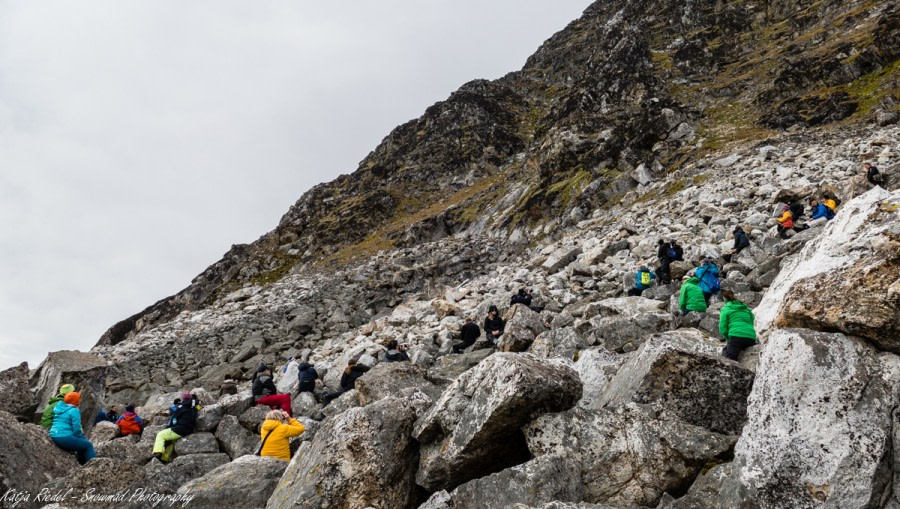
708 274
66 431
820 213
643 278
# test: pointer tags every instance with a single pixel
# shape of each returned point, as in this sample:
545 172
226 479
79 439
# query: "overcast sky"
140 139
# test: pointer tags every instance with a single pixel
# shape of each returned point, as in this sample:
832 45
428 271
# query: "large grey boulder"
447 368
15 393
389 378
596 368
561 343
87 372
522 326
246 482
362 457
236 404
826 441
253 417
305 405
846 279
625 456
234 439
704 390
124 448
103 431
29 458
622 323
474 427
209 417
108 480
557 260
183 469
543 479
197 443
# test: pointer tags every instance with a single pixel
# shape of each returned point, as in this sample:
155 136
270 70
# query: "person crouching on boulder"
276 433
736 326
691 298
47 416
180 425
129 423
66 431
493 325
265 393
348 380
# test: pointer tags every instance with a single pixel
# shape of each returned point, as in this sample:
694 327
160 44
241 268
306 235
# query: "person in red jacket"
129 423
265 392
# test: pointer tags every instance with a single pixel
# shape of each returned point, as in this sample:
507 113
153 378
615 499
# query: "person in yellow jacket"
276 433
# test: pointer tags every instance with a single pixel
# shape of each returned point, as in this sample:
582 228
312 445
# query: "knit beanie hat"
72 398
66 388
186 397
129 408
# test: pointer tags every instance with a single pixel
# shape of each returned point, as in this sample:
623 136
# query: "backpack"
829 213
645 278
712 283
796 210
671 252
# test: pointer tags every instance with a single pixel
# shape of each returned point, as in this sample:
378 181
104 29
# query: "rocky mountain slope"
673 120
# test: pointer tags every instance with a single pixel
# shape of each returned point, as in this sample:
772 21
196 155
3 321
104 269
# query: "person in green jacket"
736 326
691 298
47 416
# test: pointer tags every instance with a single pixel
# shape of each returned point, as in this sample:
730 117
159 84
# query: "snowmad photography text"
12 497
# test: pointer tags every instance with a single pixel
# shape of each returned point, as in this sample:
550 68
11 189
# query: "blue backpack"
710 280
829 214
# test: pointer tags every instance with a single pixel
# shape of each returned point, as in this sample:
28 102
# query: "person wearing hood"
691 298
469 333
741 240
666 255
523 297
265 392
396 352
47 415
66 431
643 278
129 423
708 274
307 375
736 326
493 324
785 222
180 425
348 380
276 433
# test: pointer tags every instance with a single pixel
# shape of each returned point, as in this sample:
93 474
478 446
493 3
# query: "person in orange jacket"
276 433
786 221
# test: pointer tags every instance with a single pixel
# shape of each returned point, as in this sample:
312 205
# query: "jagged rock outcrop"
85 371
700 389
362 457
245 482
29 458
388 379
15 392
849 279
522 326
183 469
475 427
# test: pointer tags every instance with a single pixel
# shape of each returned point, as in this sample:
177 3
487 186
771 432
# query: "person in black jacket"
873 175
523 297
348 380
395 352
493 325
307 375
265 392
741 240
662 252
469 333
181 424
679 251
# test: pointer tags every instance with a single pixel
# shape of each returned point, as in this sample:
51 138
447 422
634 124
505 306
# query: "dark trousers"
307 386
635 292
706 297
735 346
782 231
459 347
665 276
331 396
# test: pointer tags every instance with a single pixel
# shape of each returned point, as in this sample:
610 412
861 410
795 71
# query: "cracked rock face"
475 424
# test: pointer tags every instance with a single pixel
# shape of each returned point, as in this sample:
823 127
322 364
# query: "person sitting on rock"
666 255
736 326
396 352
873 175
348 380
66 431
307 375
820 213
831 202
181 425
643 279
265 392
469 333
101 416
129 423
523 297
112 414
708 274
785 222
276 433
741 240
691 297
493 324
47 416
677 250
